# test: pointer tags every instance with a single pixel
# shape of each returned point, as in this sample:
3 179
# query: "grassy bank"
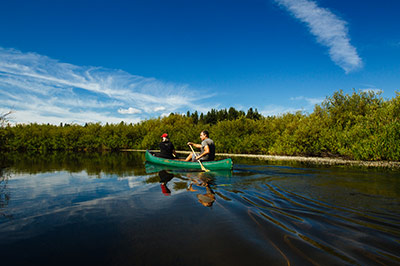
303 159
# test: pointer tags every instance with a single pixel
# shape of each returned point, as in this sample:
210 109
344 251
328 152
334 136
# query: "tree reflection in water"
4 192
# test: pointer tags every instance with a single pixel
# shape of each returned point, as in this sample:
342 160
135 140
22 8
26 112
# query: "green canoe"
225 164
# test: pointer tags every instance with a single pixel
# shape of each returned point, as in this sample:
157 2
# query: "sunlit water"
112 209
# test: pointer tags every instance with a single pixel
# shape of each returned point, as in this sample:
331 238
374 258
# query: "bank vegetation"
357 126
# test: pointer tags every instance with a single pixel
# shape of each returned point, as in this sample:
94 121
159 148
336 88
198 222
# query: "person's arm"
206 151
194 145
173 150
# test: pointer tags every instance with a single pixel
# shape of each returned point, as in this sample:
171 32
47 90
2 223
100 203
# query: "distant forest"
361 125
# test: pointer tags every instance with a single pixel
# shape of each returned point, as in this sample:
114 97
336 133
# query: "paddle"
201 165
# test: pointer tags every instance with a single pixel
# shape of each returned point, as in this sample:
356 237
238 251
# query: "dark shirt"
166 149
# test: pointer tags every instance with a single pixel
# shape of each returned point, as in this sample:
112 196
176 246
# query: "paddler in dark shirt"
167 149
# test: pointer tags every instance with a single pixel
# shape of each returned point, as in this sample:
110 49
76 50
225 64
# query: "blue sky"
77 61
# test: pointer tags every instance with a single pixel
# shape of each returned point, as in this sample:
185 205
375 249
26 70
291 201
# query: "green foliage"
361 126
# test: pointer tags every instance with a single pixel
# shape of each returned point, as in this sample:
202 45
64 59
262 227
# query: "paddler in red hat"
167 149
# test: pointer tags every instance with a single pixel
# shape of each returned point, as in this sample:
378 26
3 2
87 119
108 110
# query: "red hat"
164 135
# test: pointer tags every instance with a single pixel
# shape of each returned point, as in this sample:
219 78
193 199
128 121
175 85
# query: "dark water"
112 209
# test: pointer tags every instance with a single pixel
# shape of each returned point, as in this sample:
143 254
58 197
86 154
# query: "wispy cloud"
41 89
395 43
298 103
277 110
310 101
376 91
330 30
370 88
159 108
130 110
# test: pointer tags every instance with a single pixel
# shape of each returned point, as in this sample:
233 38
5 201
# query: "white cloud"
310 101
330 30
159 108
43 90
303 104
376 91
165 114
130 110
277 110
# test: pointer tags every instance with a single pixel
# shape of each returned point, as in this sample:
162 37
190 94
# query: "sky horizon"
112 61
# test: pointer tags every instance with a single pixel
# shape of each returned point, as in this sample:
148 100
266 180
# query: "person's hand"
190 143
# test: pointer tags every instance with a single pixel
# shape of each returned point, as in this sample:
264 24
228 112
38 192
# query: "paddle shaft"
201 165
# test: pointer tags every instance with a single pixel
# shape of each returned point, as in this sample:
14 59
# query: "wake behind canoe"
225 164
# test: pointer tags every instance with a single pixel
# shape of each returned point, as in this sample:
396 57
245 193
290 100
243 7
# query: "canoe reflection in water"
204 180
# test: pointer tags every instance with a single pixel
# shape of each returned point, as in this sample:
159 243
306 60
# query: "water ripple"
341 230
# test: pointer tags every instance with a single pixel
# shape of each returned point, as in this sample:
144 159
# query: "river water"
113 209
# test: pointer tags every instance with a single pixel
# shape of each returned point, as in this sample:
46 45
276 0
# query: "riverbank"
303 159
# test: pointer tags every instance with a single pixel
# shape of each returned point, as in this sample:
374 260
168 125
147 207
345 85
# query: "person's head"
204 134
164 137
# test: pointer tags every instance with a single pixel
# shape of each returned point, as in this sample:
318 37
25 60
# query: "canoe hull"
225 164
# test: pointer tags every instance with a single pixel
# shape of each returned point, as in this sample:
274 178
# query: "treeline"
97 137
361 125
214 116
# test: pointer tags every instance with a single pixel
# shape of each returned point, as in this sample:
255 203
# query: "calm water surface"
113 209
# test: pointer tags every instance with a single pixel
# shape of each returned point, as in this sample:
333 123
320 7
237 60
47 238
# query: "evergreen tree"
195 117
232 114
201 119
